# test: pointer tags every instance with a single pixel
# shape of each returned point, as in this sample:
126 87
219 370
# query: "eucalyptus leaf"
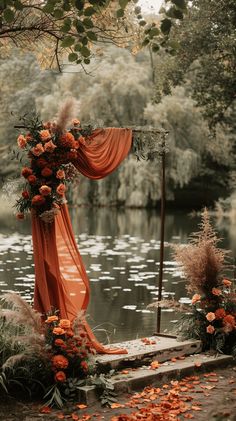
85 51
89 11
8 15
72 57
67 42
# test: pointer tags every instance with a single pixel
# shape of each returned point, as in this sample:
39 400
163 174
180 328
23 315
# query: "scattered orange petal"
116 405
154 365
125 372
74 417
196 408
188 416
45 410
173 360
60 416
81 406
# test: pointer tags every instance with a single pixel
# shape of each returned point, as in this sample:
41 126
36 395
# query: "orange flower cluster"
69 353
49 151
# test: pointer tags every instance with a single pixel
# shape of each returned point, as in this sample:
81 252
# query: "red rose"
38 200
25 194
32 179
60 376
41 163
46 172
26 171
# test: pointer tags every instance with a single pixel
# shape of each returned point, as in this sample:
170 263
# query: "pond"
120 249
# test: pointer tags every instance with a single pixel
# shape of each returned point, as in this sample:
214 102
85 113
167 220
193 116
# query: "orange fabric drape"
61 281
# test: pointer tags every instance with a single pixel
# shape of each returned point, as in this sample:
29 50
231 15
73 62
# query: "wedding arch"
61 282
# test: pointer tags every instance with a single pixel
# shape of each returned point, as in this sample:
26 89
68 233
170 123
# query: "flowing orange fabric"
61 282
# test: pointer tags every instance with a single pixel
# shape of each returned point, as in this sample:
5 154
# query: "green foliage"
104 388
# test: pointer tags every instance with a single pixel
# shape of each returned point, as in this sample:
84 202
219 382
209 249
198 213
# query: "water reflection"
120 249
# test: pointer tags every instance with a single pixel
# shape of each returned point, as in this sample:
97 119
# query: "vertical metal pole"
163 202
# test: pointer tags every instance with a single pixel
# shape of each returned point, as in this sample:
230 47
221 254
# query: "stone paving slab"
160 347
142 377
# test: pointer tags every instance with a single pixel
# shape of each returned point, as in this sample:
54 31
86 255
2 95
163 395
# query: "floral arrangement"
51 150
211 316
51 360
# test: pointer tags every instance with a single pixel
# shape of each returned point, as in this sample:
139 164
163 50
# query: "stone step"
137 379
155 347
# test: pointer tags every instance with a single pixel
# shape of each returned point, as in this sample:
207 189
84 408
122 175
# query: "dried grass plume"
66 113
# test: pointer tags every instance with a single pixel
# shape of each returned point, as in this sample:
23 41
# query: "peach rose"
51 319
196 298
60 174
220 313
26 171
58 331
216 291
45 190
210 329
226 283
60 376
49 146
61 189
38 149
67 140
46 172
38 200
75 122
44 135
32 179
65 323
20 215
21 141
210 317
59 361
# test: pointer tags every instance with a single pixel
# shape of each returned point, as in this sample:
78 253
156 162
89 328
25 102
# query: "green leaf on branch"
49 7
155 47
181 4
79 27
72 57
153 32
89 11
79 4
67 42
18 5
178 14
8 15
91 35
166 26
145 42
77 47
142 22
123 3
58 13
88 23
85 52
120 13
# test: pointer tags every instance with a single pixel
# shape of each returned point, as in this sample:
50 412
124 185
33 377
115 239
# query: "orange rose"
51 319
226 283
65 323
46 172
67 140
21 141
60 174
60 376
75 122
58 331
32 179
26 171
45 190
210 317
210 329
49 146
20 215
44 135
216 291
59 361
229 320
196 298
59 342
220 313
38 200
25 194
38 149
61 189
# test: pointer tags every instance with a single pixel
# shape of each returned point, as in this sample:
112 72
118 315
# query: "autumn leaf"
116 405
74 417
154 365
81 406
196 408
125 372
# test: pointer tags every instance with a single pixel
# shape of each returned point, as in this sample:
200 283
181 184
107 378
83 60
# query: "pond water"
120 249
